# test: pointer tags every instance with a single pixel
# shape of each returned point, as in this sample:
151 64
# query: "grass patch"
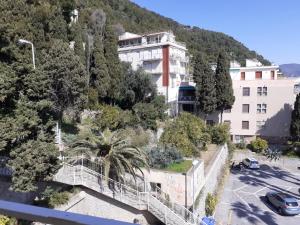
181 167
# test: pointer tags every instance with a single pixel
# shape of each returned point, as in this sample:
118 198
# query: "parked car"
284 203
251 163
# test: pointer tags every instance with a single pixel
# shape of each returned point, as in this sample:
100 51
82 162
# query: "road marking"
240 188
229 218
260 190
246 203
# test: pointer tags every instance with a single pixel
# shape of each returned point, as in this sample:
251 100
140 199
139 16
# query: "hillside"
140 20
290 70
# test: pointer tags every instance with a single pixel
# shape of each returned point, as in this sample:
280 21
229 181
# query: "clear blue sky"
270 27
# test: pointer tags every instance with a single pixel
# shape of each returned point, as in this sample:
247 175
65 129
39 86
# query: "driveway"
243 200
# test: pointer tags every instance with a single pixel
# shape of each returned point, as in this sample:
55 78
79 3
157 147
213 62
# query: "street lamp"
23 41
195 162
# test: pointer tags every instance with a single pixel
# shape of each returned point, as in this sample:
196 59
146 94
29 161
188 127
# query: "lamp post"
195 162
23 41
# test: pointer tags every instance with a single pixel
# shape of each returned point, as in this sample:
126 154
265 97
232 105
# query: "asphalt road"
243 199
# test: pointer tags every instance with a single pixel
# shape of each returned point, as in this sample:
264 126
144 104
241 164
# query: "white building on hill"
161 56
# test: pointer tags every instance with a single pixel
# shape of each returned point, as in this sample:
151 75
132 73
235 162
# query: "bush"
210 204
138 136
4 220
219 134
187 133
241 145
259 145
160 158
58 198
113 118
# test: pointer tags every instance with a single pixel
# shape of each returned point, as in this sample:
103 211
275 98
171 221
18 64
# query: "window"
258 75
246 91
246 108
260 124
262 108
242 75
228 122
272 74
262 91
245 125
227 111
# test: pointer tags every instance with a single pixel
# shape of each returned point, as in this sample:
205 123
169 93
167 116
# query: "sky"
270 27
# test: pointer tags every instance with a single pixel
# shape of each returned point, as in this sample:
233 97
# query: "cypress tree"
113 62
224 91
100 79
295 123
78 46
205 85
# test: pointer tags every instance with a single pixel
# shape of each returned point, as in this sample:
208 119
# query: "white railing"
155 202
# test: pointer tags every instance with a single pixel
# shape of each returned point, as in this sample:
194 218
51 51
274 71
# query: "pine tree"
205 85
224 91
100 79
295 123
112 62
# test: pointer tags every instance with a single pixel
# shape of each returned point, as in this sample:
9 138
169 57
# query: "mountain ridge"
137 19
290 69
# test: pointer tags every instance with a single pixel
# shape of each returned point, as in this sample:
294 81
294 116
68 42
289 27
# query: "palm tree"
112 149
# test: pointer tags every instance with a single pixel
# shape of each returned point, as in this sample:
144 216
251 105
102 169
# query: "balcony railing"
186 98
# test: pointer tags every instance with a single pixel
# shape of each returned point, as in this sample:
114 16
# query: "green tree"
295 123
100 79
114 151
112 62
33 161
219 134
149 113
187 133
68 78
78 46
205 85
224 91
137 86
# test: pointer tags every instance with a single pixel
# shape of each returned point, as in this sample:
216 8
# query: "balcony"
187 98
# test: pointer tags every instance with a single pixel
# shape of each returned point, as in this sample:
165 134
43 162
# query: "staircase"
83 173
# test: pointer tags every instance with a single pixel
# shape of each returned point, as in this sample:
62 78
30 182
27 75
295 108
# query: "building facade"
160 55
263 103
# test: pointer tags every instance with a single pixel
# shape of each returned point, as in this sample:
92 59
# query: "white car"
251 163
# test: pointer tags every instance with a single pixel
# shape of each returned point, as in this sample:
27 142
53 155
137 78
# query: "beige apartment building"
263 102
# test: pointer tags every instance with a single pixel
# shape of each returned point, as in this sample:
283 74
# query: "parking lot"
243 200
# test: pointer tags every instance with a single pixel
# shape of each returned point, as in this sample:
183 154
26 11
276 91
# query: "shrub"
210 204
259 145
241 145
160 158
219 133
138 136
58 198
4 220
187 133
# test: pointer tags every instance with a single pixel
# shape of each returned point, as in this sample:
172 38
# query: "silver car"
284 203
251 163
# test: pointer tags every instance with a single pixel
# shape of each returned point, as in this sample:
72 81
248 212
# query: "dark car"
284 203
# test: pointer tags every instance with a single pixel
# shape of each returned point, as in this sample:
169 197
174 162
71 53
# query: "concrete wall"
94 204
211 178
174 184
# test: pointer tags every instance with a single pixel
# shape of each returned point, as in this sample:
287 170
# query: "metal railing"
86 173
